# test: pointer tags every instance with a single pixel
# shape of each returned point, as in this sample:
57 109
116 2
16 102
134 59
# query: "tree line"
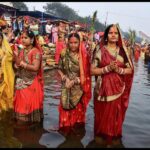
63 11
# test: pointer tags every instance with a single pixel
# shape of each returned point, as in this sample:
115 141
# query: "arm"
120 70
127 70
94 69
61 74
31 67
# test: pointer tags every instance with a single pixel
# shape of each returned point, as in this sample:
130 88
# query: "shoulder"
35 50
97 49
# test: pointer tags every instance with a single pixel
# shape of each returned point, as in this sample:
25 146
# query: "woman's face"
26 40
74 44
1 39
113 35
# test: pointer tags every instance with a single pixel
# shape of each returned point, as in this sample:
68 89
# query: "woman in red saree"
76 84
137 52
114 71
60 45
29 94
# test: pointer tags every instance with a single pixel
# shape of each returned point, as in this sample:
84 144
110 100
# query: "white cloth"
97 37
48 28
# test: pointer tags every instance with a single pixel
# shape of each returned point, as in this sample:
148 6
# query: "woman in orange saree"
76 83
29 94
114 71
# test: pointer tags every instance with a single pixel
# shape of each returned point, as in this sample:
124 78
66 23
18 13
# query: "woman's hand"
16 58
119 70
23 64
69 83
112 66
115 66
15 53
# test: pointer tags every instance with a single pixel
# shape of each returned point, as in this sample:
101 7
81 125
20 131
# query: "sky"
133 15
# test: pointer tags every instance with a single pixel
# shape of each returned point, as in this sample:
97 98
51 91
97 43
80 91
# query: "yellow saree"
6 76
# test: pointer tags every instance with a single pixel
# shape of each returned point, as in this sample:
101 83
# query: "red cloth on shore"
60 45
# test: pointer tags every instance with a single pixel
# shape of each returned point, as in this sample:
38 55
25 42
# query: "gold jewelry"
114 51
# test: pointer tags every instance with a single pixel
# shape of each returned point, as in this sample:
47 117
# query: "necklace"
75 55
112 49
114 52
28 49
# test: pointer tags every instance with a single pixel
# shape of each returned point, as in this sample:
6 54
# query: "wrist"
23 64
77 80
120 71
63 78
106 69
16 66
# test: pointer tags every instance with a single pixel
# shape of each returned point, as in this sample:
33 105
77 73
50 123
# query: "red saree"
136 54
29 94
109 115
68 118
60 45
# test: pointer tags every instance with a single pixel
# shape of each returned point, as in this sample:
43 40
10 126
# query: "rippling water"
136 128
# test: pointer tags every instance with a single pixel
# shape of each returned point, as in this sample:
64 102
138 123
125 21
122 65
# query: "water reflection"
29 135
73 136
7 139
136 128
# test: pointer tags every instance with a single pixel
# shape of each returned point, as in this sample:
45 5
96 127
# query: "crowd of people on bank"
80 54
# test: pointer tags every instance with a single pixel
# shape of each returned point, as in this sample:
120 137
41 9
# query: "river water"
136 128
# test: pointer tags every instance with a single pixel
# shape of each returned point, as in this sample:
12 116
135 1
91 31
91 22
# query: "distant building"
145 37
7 11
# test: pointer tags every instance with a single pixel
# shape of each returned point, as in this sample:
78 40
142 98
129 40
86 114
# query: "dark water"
136 128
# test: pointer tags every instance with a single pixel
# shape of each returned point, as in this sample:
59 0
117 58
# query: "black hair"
74 35
17 32
31 35
3 27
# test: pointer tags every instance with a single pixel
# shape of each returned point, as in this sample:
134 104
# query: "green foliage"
20 5
61 10
93 22
132 36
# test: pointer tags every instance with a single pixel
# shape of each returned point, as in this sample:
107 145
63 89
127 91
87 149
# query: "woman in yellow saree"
6 75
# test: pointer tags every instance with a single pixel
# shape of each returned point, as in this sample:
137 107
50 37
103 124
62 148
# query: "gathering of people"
108 58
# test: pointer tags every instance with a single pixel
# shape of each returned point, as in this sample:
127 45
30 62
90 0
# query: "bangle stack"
121 71
105 70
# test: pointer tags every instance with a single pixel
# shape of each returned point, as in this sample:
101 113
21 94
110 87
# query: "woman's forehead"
73 39
113 29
